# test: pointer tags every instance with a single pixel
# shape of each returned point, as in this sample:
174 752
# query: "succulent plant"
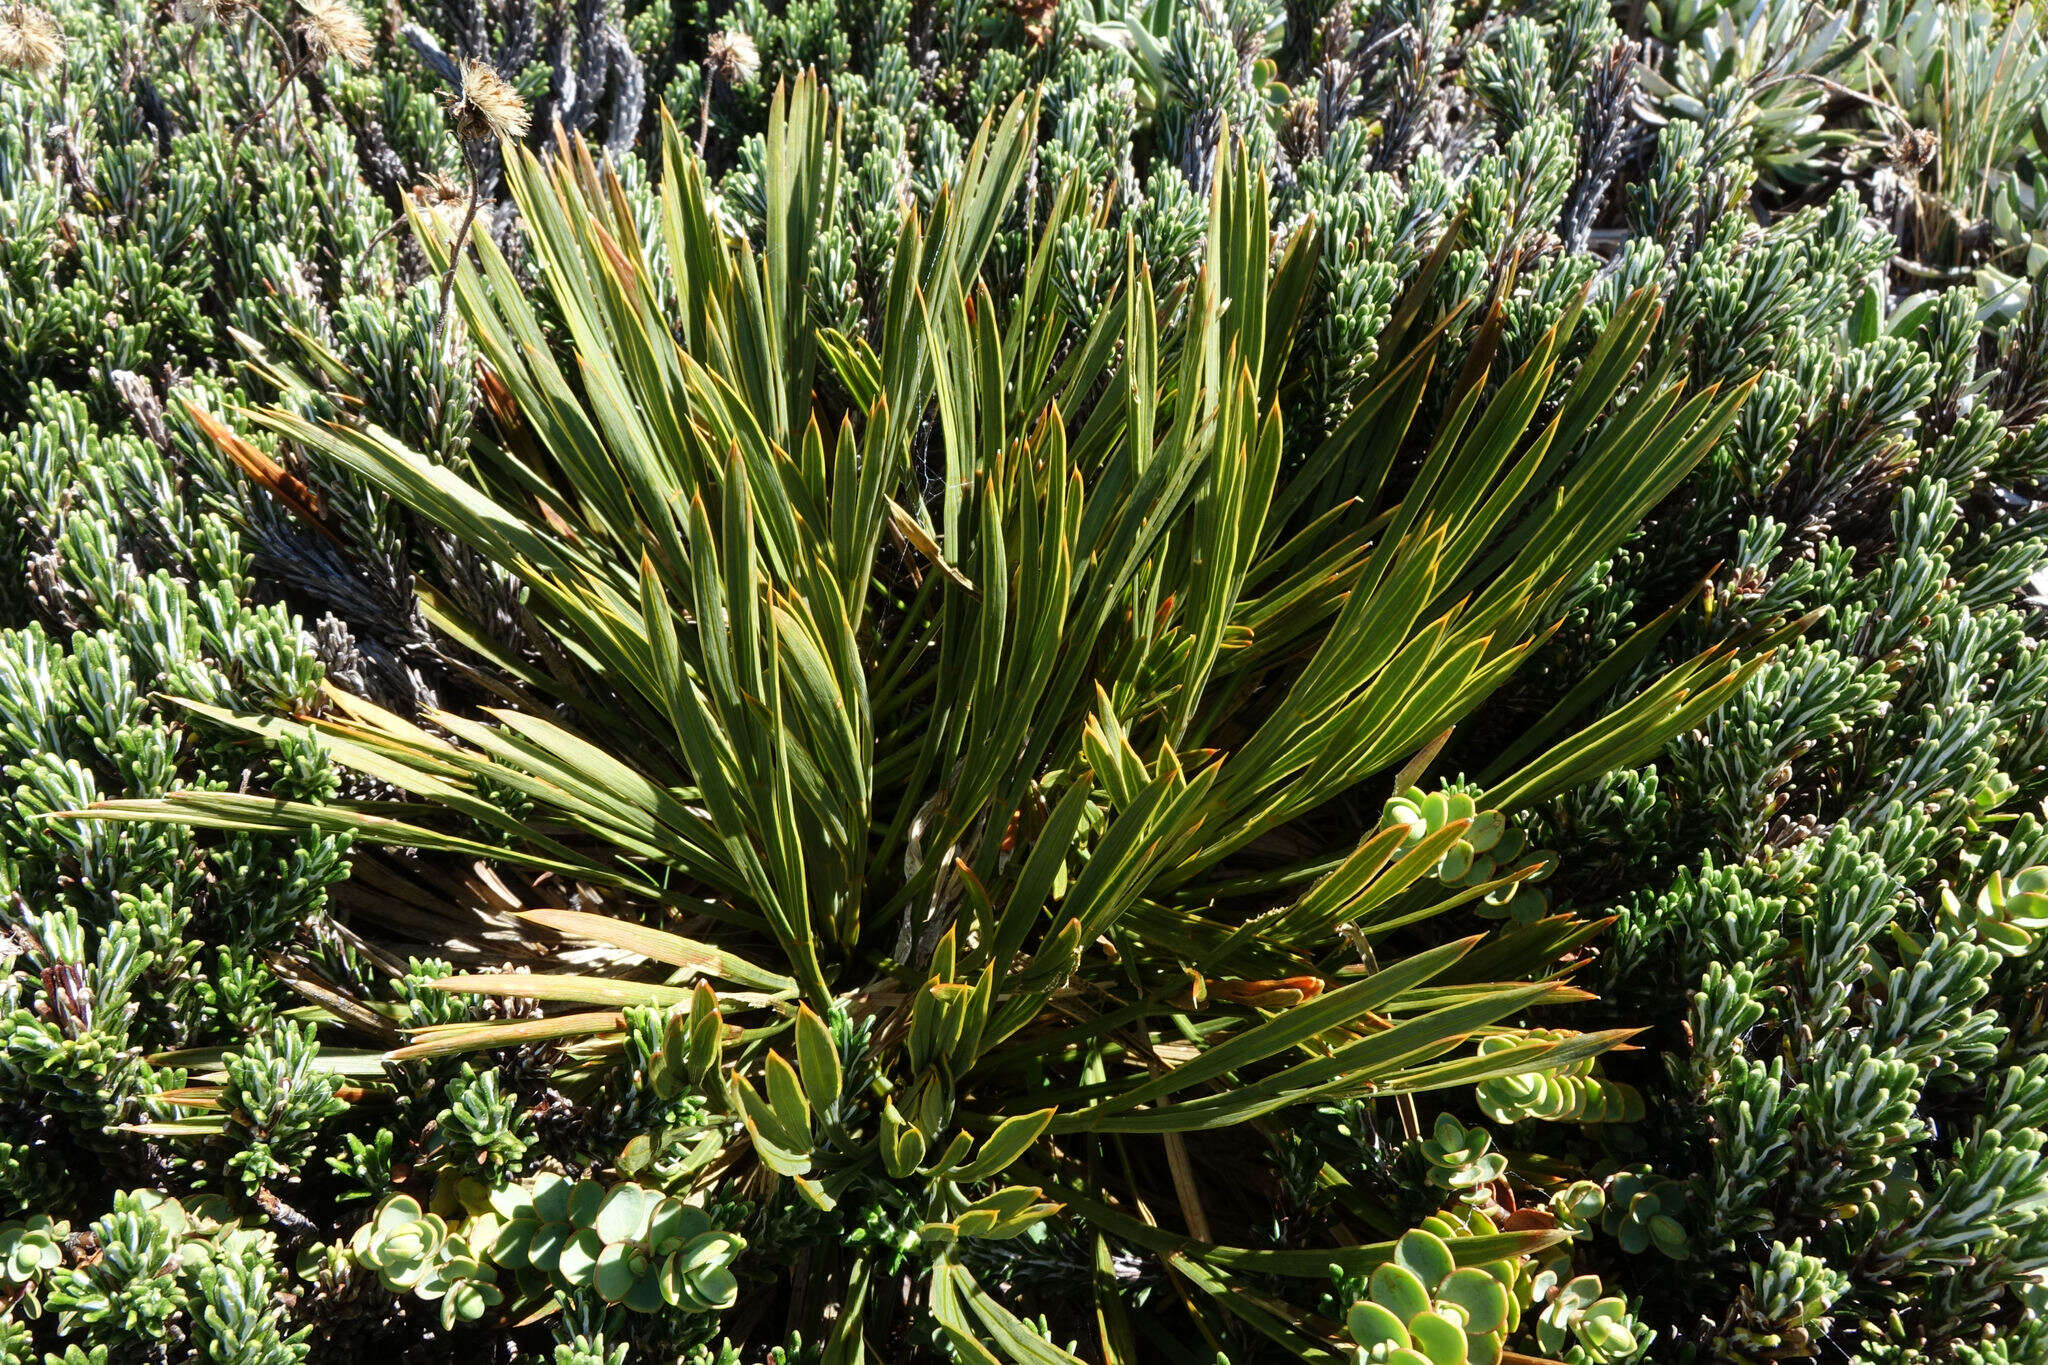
537 1219
2008 915
1489 849
31 1247
462 1281
632 1245
1422 1308
1474 855
1598 1325
416 1251
1578 1206
1458 1158
1643 1212
402 1242
1568 1093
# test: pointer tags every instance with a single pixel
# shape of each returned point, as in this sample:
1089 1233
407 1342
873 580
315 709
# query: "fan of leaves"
958 685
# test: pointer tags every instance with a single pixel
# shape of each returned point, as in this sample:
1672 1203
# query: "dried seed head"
486 108
1915 150
436 190
30 40
332 28
731 58
442 201
204 13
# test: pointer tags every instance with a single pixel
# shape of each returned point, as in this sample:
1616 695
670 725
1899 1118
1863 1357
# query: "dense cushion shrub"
270 1092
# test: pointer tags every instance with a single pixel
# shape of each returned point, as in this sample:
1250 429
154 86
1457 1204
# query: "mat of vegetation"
1221 681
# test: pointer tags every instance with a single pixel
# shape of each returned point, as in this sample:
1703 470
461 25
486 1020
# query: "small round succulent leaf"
402 1275
2008 940
644 1294
1478 1296
673 1283
578 1257
1399 1290
666 1226
513 1203
717 1288
544 1251
1427 1256
708 1251
1457 861
1578 1293
586 1197
398 1211
1606 1338
623 1215
1374 1326
1401 811
1504 1274
469 1301
551 1197
436 1280
695 1222
613 1275
1486 831
513 1246
1439 1338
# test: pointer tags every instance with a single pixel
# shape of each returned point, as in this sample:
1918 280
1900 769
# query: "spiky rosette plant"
934 715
